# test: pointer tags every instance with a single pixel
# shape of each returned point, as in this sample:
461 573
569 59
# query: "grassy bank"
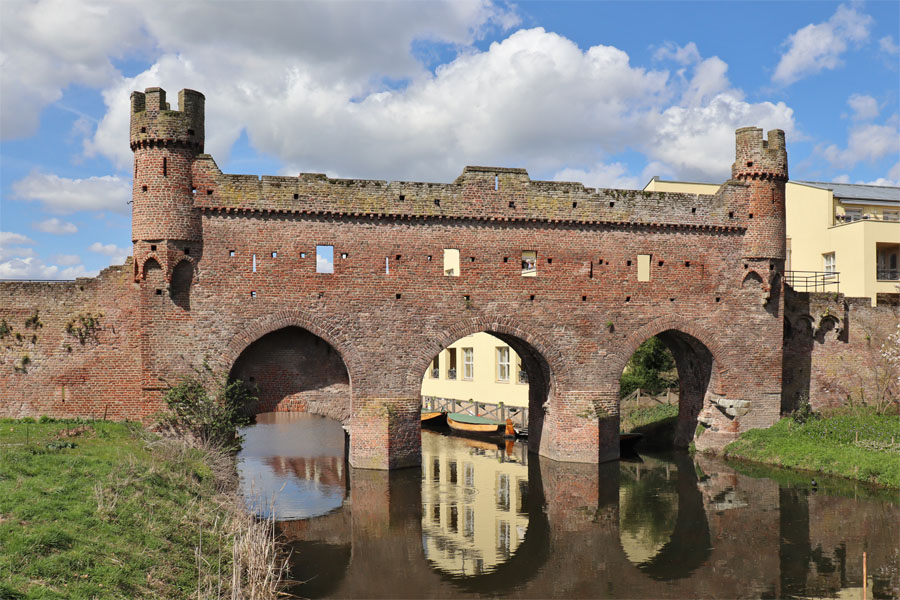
857 444
657 423
105 510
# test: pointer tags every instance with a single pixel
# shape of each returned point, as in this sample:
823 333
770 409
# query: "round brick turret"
165 142
762 164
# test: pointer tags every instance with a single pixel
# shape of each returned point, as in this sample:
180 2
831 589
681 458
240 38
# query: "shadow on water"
481 519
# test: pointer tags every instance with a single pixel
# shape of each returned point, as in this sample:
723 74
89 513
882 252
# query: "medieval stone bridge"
225 271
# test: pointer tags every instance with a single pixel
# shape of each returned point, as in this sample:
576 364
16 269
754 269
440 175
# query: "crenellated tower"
762 164
164 225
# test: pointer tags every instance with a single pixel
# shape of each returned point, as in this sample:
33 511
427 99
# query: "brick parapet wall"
832 345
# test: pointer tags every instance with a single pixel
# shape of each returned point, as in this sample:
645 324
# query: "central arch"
542 361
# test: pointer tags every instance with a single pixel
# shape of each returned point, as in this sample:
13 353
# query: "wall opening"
451 262
295 370
672 371
325 259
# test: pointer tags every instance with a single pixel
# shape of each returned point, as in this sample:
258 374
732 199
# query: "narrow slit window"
643 267
529 263
451 262
254 263
496 183
165 167
387 265
231 253
324 259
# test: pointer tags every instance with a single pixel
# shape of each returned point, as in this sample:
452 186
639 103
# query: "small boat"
464 423
431 417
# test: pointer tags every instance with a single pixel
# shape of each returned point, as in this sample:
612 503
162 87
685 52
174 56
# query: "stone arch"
827 324
151 262
298 321
543 362
698 358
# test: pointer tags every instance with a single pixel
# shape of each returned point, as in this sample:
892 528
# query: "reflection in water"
294 463
648 508
479 520
473 502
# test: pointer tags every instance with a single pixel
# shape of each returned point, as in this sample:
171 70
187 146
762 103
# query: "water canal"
489 519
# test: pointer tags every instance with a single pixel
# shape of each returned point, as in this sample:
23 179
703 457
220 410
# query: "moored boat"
430 417
464 423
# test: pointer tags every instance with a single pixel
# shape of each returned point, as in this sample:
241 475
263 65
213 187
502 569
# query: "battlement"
758 158
153 123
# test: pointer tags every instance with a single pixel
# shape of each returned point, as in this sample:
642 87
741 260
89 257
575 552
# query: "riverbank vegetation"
95 509
856 443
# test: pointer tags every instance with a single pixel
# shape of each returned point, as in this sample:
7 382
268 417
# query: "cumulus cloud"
117 254
15 245
887 45
819 46
534 99
61 195
32 267
611 175
863 106
865 141
683 55
55 226
8 238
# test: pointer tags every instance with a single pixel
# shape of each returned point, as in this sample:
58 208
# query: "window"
529 263
503 363
829 262
468 363
852 214
643 267
523 376
887 256
451 262
324 259
451 363
436 367
890 215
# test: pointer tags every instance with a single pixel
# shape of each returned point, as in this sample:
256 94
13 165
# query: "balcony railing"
888 274
813 281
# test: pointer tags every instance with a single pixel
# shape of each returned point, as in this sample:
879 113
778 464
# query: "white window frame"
503 364
829 260
853 214
468 363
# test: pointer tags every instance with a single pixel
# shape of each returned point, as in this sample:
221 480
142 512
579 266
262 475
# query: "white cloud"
863 106
9 237
866 141
601 175
63 196
534 99
55 226
819 46
683 55
887 45
66 260
29 267
78 271
117 254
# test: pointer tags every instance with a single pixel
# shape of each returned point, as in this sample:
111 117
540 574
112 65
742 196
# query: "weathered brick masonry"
224 271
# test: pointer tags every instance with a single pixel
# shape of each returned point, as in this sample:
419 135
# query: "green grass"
641 417
858 445
115 516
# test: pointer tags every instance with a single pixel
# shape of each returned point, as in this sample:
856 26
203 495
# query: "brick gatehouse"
225 271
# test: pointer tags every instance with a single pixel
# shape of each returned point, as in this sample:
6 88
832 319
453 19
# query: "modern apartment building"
840 237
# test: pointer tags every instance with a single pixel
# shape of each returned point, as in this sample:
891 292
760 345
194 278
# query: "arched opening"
495 375
180 288
670 360
292 369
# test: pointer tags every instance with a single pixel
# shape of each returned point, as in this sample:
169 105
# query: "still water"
488 519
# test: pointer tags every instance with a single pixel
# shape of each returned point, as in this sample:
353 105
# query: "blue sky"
607 93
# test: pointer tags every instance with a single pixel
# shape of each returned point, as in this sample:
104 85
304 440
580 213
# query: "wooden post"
864 577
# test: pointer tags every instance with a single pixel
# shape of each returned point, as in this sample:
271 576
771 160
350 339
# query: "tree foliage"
651 368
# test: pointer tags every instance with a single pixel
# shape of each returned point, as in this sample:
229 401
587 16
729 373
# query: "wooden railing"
640 396
498 412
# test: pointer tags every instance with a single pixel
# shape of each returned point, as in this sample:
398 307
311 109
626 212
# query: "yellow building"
478 367
851 231
465 532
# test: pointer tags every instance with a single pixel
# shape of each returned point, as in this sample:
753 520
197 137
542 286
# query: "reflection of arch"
695 351
542 361
528 559
180 289
689 546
